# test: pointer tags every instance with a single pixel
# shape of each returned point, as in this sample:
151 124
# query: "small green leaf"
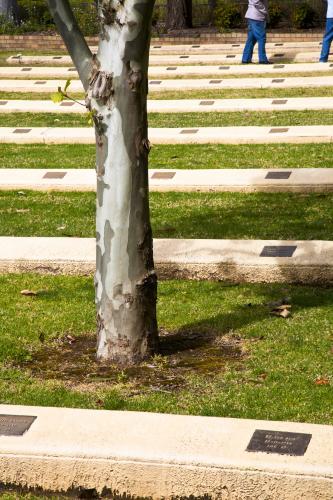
67 85
90 117
57 97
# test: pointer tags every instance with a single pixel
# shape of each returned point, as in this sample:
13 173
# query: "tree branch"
73 38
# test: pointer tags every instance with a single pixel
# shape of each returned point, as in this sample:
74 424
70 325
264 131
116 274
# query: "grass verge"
202 94
194 76
180 156
177 215
212 119
222 352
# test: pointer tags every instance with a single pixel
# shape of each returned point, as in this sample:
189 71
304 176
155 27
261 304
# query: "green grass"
212 119
194 76
44 96
203 94
244 93
175 156
177 215
274 378
8 493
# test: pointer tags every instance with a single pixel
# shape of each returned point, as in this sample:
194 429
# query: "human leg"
259 30
249 45
327 40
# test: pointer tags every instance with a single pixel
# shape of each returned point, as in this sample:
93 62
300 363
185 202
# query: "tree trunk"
8 9
179 14
125 280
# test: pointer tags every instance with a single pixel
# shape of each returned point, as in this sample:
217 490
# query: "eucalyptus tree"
116 85
8 9
179 14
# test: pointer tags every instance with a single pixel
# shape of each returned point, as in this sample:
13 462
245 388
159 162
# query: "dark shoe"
265 62
246 62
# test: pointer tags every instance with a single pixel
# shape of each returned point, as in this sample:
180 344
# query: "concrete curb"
302 180
200 135
178 106
185 58
253 261
217 48
180 84
160 456
33 72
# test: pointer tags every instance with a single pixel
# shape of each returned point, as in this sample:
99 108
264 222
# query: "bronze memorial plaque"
15 425
278 251
22 131
278 175
163 175
282 443
54 175
279 101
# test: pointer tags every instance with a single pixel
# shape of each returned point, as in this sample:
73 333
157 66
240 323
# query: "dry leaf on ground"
322 381
28 293
282 311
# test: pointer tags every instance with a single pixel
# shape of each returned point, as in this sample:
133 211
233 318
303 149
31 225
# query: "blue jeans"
256 33
327 40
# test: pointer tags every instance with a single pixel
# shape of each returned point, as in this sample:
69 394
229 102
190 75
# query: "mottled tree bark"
117 86
8 9
179 14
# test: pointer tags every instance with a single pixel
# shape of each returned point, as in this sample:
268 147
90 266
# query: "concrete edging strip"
178 105
297 55
309 262
32 72
164 456
200 135
180 84
301 180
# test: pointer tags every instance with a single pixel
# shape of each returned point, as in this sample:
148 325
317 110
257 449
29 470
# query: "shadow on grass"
239 215
202 347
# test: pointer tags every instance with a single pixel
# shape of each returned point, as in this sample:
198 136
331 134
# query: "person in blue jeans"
328 36
256 15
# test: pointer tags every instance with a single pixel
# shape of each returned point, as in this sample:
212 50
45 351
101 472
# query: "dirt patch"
72 361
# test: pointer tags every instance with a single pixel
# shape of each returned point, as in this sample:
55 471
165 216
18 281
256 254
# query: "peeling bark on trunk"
125 281
179 14
8 9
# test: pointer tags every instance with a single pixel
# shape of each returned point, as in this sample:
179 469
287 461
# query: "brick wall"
54 43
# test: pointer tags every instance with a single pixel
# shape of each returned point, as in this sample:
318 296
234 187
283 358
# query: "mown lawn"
180 156
202 94
176 215
194 76
222 352
212 119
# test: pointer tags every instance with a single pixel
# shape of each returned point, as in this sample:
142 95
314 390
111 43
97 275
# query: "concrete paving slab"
40 135
178 106
41 85
228 105
50 86
203 135
253 261
216 48
164 456
41 106
303 180
219 58
33 72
